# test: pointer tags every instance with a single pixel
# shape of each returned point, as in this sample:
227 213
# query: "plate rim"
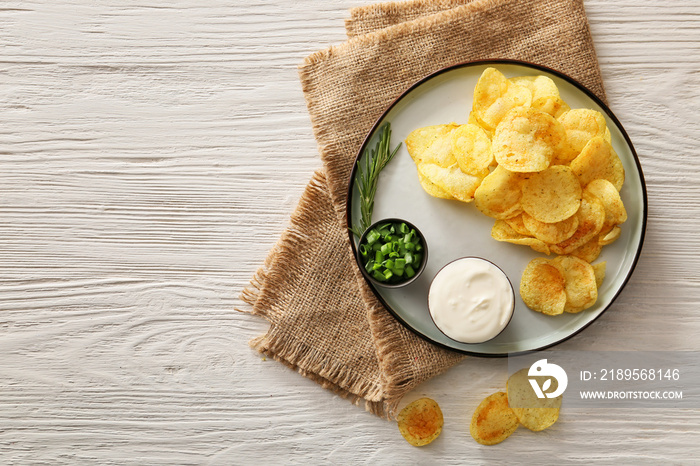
526 64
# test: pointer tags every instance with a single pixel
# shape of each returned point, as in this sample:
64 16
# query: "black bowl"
418 271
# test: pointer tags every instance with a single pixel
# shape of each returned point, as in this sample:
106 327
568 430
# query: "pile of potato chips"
500 414
546 173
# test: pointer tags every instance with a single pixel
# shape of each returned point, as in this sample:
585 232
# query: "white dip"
471 300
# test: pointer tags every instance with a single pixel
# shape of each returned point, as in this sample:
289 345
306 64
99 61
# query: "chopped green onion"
392 252
364 250
372 237
409 271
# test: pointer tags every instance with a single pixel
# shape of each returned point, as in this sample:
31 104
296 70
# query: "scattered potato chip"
551 233
615 213
540 86
599 270
501 231
581 125
551 105
498 195
534 413
610 236
598 160
452 180
516 223
432 144
420 422
580 280
494 96
493 420
542 287
552 195
591 216
526 140
433 189
471 147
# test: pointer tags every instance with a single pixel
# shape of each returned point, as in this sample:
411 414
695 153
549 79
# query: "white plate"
454 229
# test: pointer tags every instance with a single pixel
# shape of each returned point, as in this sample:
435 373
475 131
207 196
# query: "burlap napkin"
325 322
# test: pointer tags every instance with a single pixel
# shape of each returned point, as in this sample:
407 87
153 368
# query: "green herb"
368 175
394 253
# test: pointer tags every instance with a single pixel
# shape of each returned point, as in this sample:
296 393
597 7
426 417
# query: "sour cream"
471 300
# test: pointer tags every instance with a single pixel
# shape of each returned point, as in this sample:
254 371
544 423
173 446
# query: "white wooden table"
150 155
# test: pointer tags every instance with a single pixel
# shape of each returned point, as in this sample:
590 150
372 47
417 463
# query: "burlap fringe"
259 294
293 354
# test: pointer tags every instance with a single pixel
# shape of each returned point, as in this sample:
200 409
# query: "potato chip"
494 96
526 140
501 231
472 148
551 233
580 281
534 413
493 420
516 223
432 144
615 213
591 217
539 86
452 180
420 422
491 85
598 160
588 251
473 120
609 237
552 105
542 287
581 125
433 189
599 271
552 195
498 195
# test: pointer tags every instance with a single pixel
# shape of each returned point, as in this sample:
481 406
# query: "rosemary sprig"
368 171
